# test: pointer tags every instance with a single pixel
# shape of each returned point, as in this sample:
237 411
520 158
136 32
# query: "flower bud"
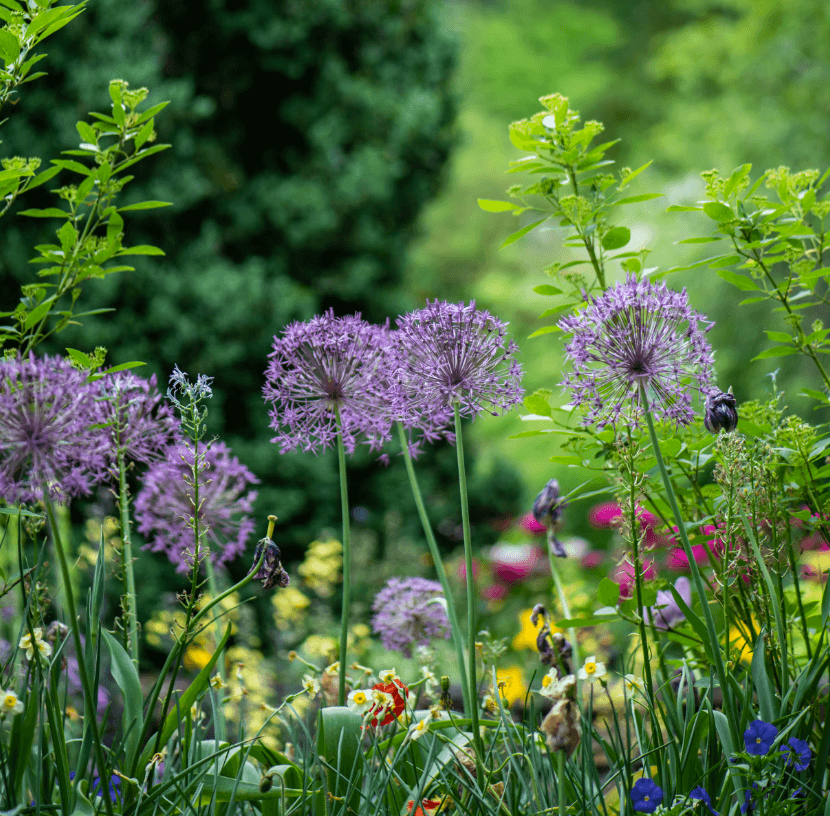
547 510
721 412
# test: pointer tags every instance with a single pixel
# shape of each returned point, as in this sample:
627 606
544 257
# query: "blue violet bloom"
646 795
797 753
749 799
758 738
701 795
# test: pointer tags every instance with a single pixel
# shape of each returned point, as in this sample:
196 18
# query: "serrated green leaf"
718 212
104 172
779 337
37 314
616 238
144 134
68 236
9 46
488 205
42 178
522 232
813 394
75 167
738 174
115 227
546 289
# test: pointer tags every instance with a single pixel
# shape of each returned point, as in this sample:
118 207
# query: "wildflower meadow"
672 657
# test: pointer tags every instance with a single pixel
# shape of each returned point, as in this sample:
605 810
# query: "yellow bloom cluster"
289 605
249 700
320 570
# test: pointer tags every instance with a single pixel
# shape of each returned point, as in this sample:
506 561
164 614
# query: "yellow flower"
289 607
526 639
418 729
44 648
217 682
633 684
358 701
511 683
319 646
311 684
11 703
196 657
321 568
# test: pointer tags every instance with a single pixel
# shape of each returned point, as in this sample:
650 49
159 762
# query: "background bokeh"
329 153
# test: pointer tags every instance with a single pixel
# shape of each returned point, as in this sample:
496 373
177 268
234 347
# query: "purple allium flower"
797 753
164 506
48 433
670 614
758 738
637 332
410 612
646 795
140 424
458 354
325 367
701 796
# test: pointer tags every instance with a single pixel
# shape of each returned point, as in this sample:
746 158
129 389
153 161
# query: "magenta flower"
327 368
457 354
676 559
637 333
624 576
139 423
164 507
48 430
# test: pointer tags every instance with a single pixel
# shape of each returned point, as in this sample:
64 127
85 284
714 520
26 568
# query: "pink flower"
677 559
530 525
461 572
593 559
624 576
606 516
514 562
494 592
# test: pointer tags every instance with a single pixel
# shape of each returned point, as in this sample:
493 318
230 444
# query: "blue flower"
701 795
115 785
749 799
797 753
646 795
758 738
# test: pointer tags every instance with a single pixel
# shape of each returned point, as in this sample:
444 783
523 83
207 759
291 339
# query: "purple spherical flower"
327 368
164 507
457 354
758 738
646 795
139 423
797 754
700 795
410 612
48 430
637 333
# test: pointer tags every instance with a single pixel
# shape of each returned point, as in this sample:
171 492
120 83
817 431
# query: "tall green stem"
439 569
90 709
347 570
130 617
471 588
566 609
697 580
219 714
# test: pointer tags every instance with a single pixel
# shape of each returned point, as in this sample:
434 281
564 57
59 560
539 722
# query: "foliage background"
328 155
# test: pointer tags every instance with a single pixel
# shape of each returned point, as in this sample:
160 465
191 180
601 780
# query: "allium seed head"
48 430
637 333
457 354
164 507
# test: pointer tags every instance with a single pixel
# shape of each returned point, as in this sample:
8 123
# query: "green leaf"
68 236
742 282
608 592
779 337
114 369
210 785
145 133
631 176
813 394
702 240
151 112
37 314
144 205
75 167
537 405
725 260
738 175
489 205
616 238
543 330
126 676
115 227
80 358
49 212
777 351
635 199
142 249
718 212
42 178
680 208
339 744
547 289
9 46
86 132
104 172
522 232
569 460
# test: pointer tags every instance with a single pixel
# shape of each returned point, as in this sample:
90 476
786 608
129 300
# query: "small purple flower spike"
325 368
458 354
164 506
410 612
48 431
758 738
637 333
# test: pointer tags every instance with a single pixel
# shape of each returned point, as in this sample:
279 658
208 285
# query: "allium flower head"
48 430
327 367
646 795
138 422
758 738
637 333
797 754
164 507
410 612
457 354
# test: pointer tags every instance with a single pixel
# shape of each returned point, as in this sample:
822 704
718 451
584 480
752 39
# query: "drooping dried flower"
326 375
457 354
637 333
720 412
165 505
410 612
547 510
49 430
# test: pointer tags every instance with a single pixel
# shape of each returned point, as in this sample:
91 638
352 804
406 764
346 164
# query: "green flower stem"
347 570
697 580
566 609
561 801
130 617
469 698
89 703
219 714
471 589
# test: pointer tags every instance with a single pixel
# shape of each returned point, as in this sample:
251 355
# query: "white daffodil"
311 685
549 683
359 701
44 648
217 682
387 675
11 703
633 684
591 670
418 729
333 669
